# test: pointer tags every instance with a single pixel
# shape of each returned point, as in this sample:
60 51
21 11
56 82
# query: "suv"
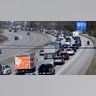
70 51
46 69
78 42
76 46
58 60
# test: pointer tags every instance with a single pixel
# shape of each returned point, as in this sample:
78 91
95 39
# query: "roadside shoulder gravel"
92 66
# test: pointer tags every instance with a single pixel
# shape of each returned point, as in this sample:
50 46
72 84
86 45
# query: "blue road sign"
81 25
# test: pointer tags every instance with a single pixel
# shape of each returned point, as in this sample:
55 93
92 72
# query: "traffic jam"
55 53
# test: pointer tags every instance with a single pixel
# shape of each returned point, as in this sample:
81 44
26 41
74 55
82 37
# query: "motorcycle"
88 43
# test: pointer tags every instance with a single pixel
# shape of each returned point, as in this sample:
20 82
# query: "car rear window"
45 68
68 49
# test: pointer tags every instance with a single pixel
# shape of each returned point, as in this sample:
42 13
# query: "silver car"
70 51
5 69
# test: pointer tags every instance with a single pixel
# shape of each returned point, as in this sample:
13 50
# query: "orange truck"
25 63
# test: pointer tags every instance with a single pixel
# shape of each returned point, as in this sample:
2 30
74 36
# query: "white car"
68 43
70 51
61 37
5 69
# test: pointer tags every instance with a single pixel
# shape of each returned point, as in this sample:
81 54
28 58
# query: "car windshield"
63 54
67 38
41 50
74 45
49 65
66 41
57 58
7 66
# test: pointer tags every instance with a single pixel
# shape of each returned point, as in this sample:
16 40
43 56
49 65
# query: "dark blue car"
64 46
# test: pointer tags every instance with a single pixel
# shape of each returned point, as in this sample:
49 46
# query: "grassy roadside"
92 67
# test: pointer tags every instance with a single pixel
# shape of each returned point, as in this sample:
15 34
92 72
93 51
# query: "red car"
65 55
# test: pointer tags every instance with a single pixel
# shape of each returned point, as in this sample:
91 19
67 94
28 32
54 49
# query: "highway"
12 47
76 65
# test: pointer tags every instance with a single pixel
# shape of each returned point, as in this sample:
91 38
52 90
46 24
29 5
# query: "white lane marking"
80 62
21 37
14 53
68 64
37 55
41 39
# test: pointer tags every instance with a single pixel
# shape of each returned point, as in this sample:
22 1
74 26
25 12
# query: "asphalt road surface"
12 47
77 64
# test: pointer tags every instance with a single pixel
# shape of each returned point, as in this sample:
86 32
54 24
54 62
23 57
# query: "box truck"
25 63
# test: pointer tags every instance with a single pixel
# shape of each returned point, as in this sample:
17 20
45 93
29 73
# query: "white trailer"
75 33
50 51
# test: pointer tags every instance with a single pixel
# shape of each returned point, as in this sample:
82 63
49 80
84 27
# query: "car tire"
53 72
